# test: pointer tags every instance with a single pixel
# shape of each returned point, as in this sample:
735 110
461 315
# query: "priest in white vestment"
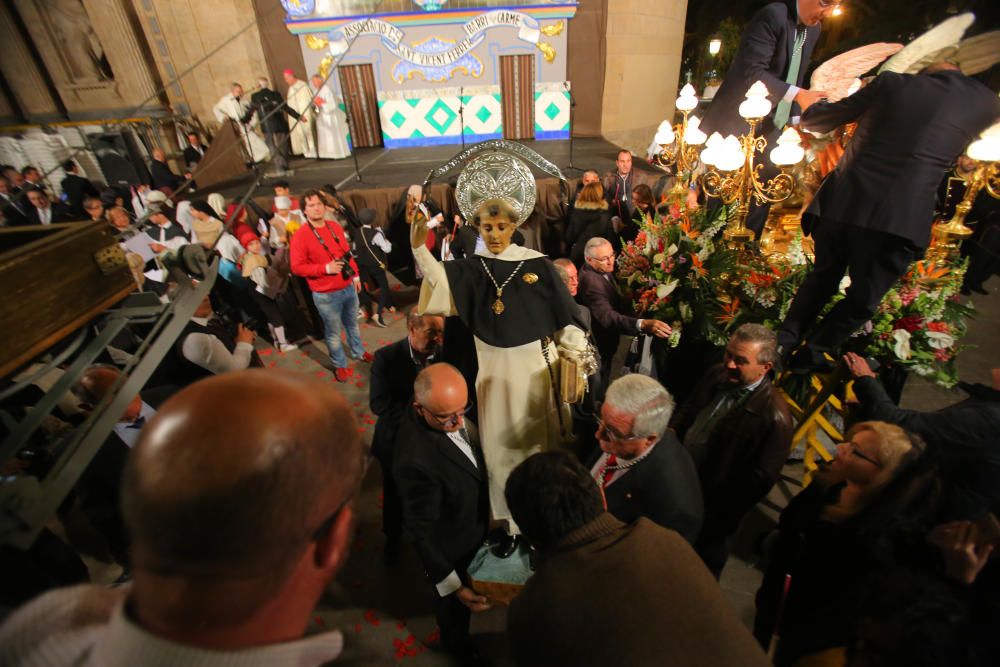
331 122
300 99
234 106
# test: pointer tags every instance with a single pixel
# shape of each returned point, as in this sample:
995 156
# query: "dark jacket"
444 498
663 487
16 210
60 213
161 176
744 453
607 308
390 395
268 105
963 435
616 594
764 54
910 130
586 221
192 157
77 188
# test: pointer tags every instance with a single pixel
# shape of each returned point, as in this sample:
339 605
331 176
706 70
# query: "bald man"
163 178
441 479
238 497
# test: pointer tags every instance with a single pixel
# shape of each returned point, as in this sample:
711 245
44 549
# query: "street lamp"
714 46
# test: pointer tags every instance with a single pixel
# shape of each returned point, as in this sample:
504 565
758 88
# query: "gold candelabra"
733 175
680 144
947 237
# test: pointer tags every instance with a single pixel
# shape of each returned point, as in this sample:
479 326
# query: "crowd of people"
227 491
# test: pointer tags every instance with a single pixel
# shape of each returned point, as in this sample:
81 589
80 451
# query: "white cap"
282 202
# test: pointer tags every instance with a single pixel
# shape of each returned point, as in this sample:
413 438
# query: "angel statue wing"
838 74
978 54
940 41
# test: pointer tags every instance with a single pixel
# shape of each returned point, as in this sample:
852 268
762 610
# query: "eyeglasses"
606 258
608 434
861 455
450 419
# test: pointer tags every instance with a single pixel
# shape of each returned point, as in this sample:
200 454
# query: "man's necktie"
784 109
608 474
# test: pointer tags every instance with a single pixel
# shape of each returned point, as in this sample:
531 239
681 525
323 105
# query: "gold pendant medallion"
498 306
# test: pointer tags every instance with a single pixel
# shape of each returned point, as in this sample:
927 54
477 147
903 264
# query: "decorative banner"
392 38
469 64
299 8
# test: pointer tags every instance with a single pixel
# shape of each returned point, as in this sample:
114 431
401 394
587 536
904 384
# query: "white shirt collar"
124 643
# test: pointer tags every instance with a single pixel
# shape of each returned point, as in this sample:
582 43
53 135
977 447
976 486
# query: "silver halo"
496 175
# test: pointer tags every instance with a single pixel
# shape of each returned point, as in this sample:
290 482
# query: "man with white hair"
642 468
599 293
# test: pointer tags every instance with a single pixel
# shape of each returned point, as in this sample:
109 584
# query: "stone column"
22 72
116 26
644 42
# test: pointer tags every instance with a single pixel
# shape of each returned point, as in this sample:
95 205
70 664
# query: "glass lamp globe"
664 134
687 100
788 149
710 154
693 136
756 104
730 154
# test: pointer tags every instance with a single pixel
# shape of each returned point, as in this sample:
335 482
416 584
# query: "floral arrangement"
679 271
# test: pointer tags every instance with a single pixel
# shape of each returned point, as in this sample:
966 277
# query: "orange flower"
698 267
687 229
729 312
924 270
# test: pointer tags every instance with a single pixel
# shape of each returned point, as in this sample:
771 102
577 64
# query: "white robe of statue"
300 99
331 125
231 108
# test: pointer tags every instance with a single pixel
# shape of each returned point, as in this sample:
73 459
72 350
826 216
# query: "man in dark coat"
767 53
394 368
161 176
738 430
43 211
269 106
963 435
642 468
607 593
441 476
194 151
76 188
608 310
872 214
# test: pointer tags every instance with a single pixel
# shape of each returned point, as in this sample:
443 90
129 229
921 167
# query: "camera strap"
323 243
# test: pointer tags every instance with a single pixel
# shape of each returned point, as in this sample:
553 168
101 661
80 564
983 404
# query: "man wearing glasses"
642 469
599 293
441 479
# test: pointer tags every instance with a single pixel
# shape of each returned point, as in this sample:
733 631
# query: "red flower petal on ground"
372 617
265 352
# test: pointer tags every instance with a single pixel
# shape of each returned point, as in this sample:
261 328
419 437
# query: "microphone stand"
461 114
350 128
572 106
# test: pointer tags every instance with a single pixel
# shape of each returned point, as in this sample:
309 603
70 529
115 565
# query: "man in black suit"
271 108
13 206
738 431
45 212
394 368
599 293
767 53
441 476
642 468
76 188
194 151
161 174
872 215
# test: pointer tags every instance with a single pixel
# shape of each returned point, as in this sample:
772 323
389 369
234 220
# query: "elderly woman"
845 526
518 310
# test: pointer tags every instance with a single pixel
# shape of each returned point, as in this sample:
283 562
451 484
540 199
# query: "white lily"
902 346
940 340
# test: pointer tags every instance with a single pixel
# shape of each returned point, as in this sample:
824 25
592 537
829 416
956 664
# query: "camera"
348 271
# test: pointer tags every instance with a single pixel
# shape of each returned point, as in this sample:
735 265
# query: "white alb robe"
331 126
231 108
300 99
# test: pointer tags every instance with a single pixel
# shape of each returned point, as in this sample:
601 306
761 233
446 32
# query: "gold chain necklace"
498 304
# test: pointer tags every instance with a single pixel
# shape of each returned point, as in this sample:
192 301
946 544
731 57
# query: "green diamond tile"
442 110
397 119
483 114
413 101
552 110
